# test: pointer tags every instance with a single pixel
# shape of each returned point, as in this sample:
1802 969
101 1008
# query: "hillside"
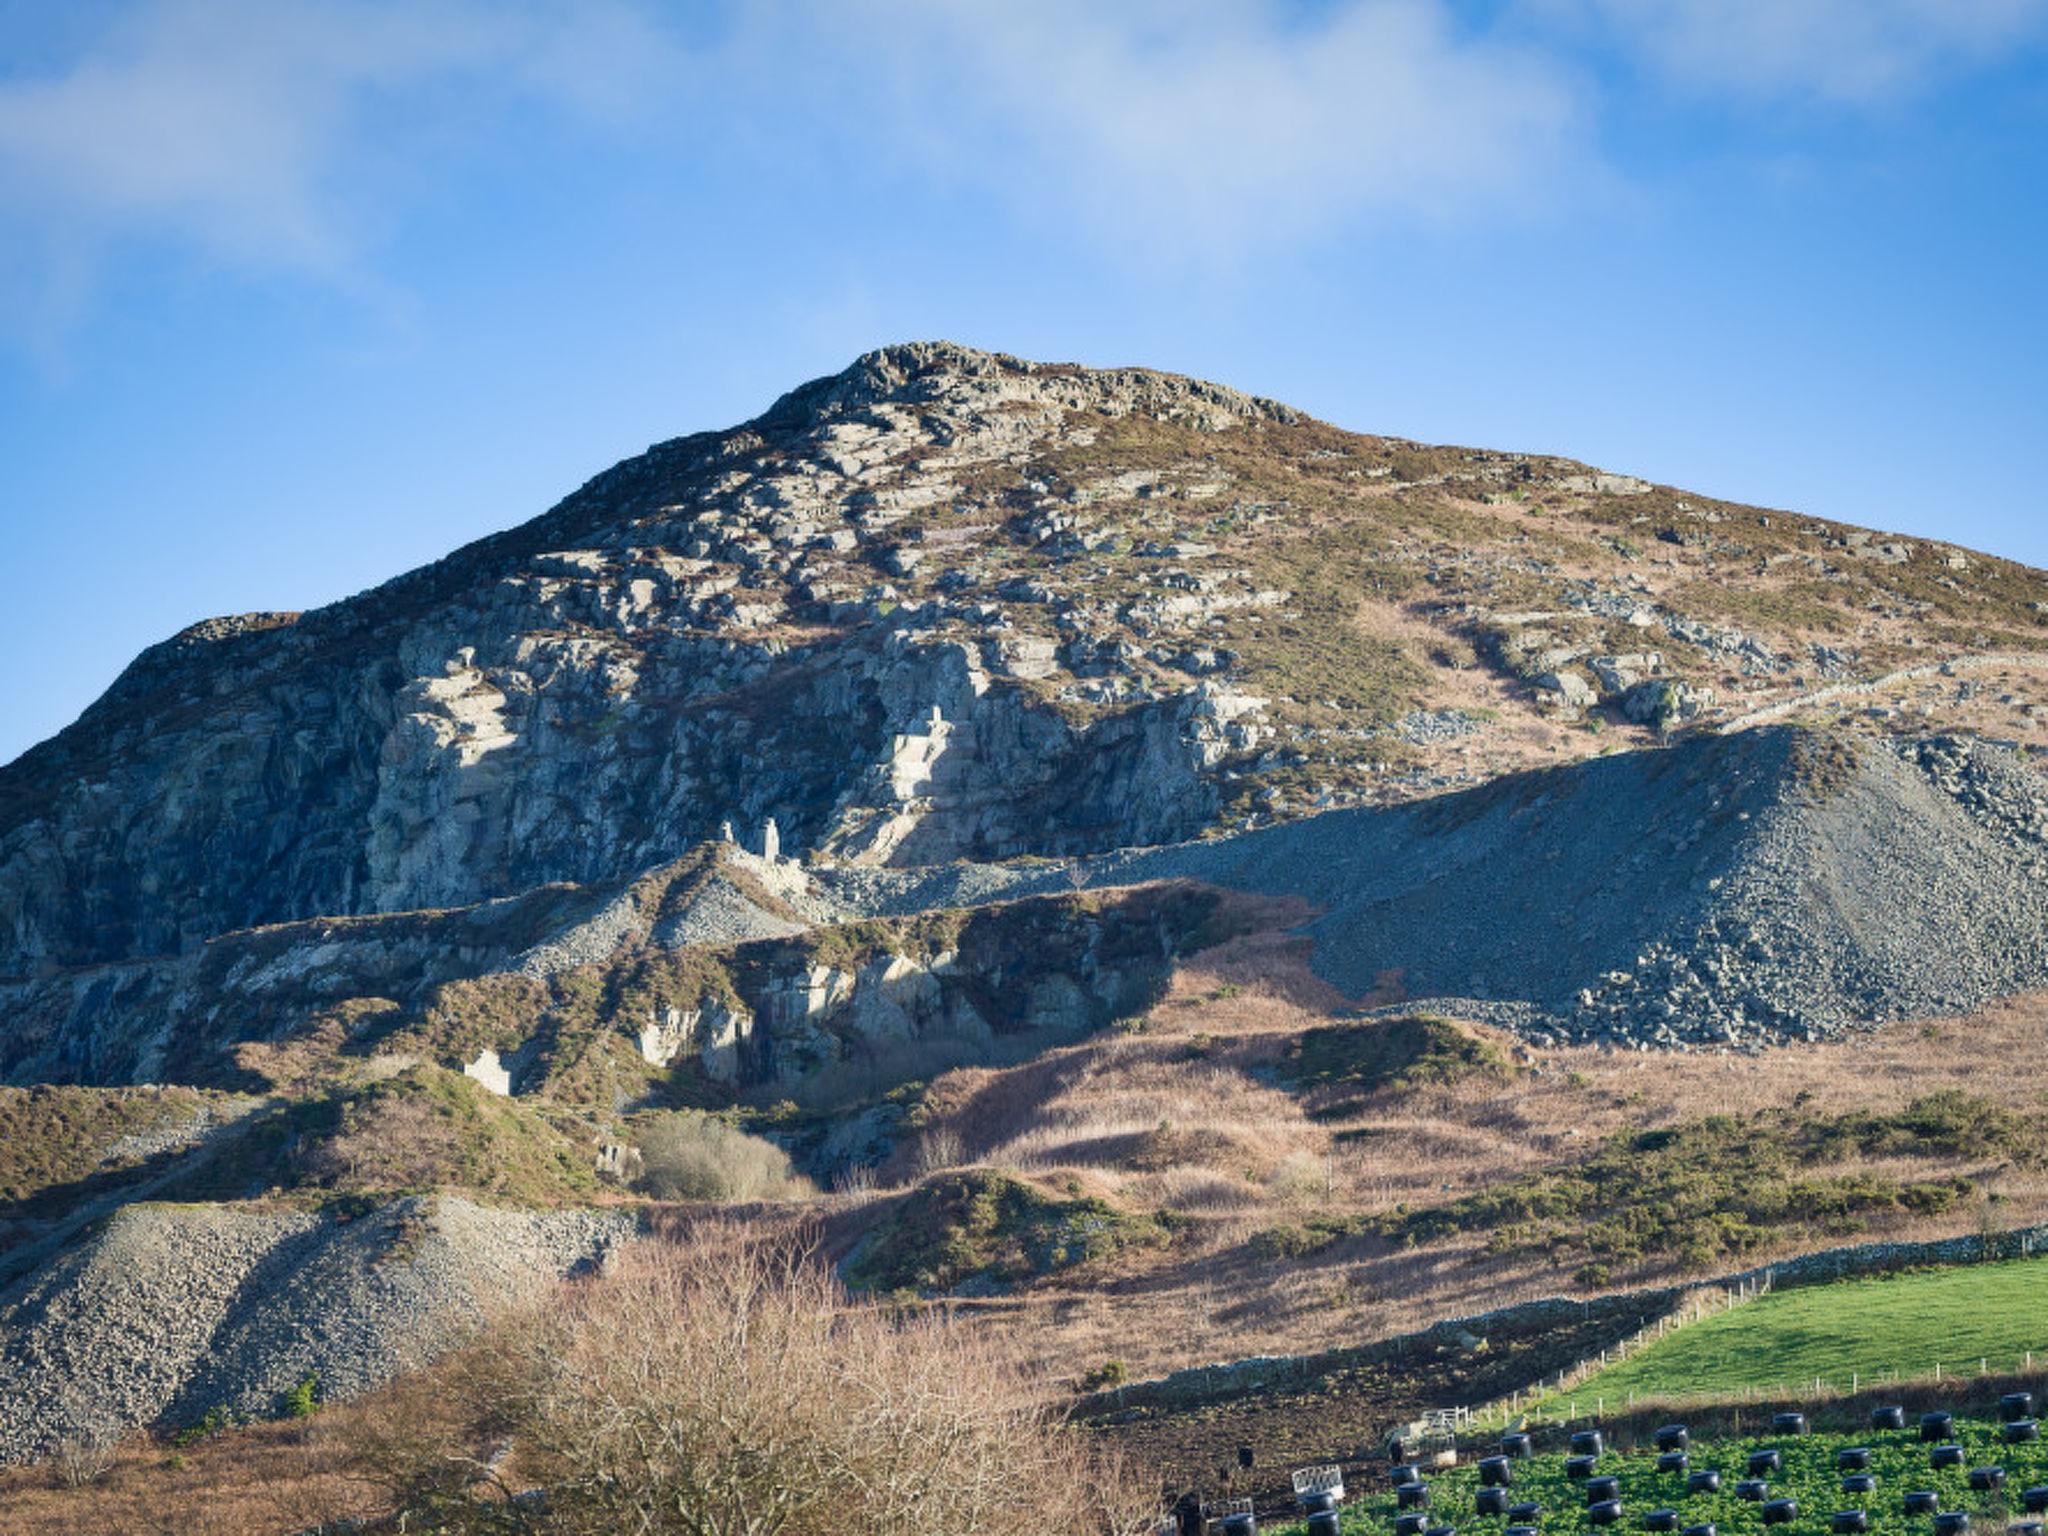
1108 858
1141 606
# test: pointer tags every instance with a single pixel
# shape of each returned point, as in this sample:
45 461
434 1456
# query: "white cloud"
1179 124
259 132
232 126
289 135
1857 52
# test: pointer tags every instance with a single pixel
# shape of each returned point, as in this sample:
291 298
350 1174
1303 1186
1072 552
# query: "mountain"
944 605
937 776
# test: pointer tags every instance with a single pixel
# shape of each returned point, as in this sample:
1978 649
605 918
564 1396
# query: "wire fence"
1808 1388
1554 1401
1705 1302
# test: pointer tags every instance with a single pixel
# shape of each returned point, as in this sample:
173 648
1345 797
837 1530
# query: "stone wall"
1209 1383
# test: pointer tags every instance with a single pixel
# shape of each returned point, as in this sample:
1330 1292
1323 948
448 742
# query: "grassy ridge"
52 1136
1711 1189
993 1230
1809 1476
1905 1323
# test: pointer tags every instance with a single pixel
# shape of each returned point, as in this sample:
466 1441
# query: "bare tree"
939 1149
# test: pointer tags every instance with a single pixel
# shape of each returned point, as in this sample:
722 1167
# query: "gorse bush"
1707 1190
303 1400
1397 1056
693 1156
731 1388
216 1420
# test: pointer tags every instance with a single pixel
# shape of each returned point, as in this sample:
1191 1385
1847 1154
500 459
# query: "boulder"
1665 701
1568 689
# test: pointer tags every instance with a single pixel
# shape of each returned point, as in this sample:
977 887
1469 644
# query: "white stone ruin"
489 1070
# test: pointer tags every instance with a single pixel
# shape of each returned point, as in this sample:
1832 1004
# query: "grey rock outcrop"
599 689
1726 892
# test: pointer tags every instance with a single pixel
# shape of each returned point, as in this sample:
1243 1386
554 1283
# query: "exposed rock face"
731 987
943 606
697 635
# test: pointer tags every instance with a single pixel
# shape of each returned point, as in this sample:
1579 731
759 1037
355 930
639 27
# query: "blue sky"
294 296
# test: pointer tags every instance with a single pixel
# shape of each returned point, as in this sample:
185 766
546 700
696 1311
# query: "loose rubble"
170 1312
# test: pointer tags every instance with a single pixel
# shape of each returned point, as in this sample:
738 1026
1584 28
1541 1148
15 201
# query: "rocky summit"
947 605
935 718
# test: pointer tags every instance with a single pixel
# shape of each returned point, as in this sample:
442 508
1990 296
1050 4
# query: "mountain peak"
950 376
950 603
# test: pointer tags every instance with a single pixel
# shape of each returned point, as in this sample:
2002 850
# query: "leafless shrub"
84 1456
939 1149
730 1388
396 1143
693 1156
855 1184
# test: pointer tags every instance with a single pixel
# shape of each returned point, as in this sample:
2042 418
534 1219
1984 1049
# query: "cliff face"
707 633
947 605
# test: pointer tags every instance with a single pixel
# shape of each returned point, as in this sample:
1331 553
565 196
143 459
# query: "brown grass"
256 1481
1185 1113
727 1386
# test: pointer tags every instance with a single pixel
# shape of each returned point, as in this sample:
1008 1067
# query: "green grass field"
1894 1325
1809 1476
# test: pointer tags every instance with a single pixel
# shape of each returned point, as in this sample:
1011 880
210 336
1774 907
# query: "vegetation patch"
1808 1476
990 1231
1317 652
1711 1189
52 1136
1401 1055
1824 764
428 1128
689 1155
